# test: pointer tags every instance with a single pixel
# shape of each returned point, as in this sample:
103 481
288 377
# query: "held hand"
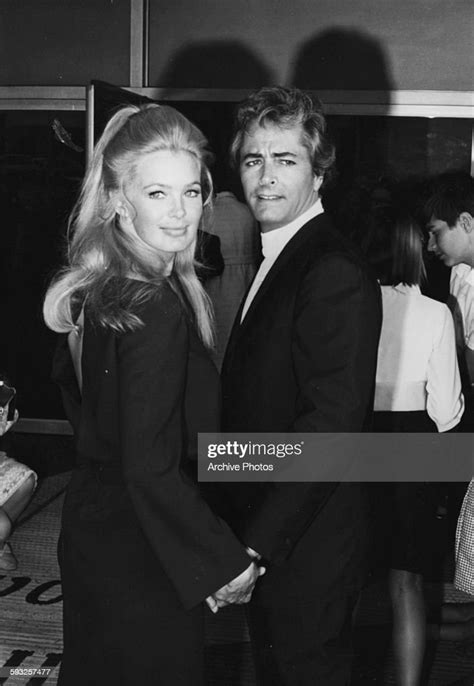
212 603
6 425
239 590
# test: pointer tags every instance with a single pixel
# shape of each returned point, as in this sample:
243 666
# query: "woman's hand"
237 591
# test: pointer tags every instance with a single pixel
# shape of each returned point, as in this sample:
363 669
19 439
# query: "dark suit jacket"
303 360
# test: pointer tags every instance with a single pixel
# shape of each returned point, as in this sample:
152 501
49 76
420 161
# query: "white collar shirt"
273 243
462 304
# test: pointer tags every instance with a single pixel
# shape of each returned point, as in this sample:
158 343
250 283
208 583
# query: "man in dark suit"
301 358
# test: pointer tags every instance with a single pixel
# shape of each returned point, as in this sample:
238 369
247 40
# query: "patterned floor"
30 598
30 611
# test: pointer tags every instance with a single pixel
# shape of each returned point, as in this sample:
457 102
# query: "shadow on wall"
344 59
215 64
336 59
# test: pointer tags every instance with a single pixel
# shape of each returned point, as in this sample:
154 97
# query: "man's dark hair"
287 107
449 195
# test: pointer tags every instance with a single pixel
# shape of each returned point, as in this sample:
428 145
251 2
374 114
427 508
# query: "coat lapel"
297 241
239 330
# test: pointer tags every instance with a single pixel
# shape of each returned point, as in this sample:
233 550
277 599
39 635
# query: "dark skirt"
123 621
405 513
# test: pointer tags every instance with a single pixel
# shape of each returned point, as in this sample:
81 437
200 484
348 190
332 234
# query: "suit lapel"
297 241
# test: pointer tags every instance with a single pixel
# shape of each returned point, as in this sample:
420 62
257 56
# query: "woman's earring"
121 215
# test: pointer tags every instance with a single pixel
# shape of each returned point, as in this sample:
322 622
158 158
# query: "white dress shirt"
462 304
417 367
273 243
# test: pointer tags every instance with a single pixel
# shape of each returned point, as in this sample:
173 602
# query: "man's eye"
252 163
287 163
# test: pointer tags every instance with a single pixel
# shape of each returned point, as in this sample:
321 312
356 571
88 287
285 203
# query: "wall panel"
327 44
64 42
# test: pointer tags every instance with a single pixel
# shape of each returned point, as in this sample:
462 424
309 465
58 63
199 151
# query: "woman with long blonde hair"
140 550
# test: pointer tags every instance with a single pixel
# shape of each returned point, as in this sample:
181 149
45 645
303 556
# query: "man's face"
277 176
453 245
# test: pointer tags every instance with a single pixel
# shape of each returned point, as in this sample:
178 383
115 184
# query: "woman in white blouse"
418 389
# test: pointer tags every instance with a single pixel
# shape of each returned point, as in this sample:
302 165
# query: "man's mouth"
268 196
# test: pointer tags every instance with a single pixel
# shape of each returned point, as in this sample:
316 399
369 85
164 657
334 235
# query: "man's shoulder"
323 241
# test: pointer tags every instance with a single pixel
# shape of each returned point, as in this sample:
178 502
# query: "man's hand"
6 425
237 591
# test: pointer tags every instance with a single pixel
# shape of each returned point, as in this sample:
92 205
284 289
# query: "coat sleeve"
197 549
335 337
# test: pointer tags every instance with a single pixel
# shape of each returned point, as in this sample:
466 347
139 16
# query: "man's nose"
267 174
431 243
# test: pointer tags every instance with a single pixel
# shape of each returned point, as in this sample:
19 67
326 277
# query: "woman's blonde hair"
99 250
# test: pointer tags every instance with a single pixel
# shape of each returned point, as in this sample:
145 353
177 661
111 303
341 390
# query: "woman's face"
166 196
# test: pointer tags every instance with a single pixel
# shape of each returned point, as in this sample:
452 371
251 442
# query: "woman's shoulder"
436 317
158 302
139 304
413 297
434 307
423 313
159 323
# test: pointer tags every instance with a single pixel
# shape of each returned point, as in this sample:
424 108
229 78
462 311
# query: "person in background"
449 211
464 552
233 223
418 389
140 550
17 485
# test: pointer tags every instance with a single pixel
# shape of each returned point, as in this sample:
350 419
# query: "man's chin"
268 222
447 261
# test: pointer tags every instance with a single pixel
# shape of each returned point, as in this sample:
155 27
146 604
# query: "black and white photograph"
237 343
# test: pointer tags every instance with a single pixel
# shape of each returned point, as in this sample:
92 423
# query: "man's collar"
464 272
274 241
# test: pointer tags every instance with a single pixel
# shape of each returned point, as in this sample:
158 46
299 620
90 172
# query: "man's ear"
466 221
317 182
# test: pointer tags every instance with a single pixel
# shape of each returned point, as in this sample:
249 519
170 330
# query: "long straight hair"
393 246
99 250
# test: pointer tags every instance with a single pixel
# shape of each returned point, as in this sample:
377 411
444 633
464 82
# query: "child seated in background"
17 485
